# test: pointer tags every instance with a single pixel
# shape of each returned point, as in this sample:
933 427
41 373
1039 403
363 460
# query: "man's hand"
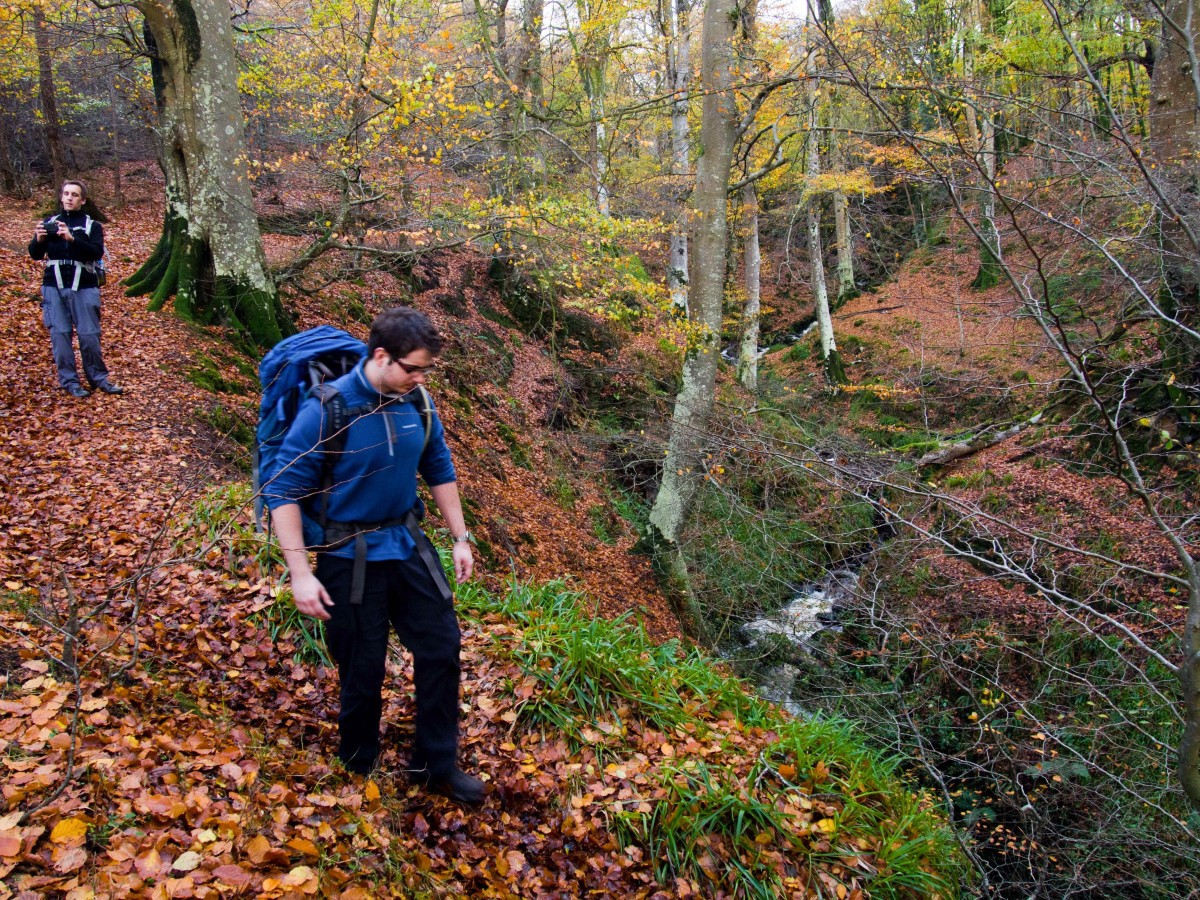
464 562
40 232
310 595
65 233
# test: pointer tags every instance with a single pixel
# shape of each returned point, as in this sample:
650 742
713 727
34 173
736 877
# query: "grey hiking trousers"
65 311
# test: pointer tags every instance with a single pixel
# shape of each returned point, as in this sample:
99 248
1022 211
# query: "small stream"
813 608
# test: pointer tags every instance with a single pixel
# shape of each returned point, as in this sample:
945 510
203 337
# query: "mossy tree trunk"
683 467
210 256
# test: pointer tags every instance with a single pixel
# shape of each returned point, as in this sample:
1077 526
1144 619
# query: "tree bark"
8 174
841 216
592 49
683 466
50 124
1175 145
989 248
834 372
679 72
114 102
210 255
752 263
982 135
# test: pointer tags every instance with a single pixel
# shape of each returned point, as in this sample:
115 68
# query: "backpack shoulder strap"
334 419
426 411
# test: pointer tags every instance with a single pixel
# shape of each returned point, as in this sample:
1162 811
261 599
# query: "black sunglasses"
411 369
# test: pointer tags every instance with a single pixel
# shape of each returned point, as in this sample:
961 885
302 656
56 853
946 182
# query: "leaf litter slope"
198 767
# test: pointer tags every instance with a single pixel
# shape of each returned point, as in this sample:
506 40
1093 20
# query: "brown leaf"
232 875
149 864
71 859
10 842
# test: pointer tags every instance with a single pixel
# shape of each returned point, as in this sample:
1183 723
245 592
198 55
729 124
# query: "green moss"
517 451
236 432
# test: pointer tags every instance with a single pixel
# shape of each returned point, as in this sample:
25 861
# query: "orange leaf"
257 849
303 845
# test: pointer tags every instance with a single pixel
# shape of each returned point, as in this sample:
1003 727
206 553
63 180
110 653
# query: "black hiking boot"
458 786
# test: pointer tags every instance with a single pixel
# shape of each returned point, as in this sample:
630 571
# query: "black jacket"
85 248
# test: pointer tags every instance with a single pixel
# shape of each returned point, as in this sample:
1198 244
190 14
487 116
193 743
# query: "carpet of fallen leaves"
190 756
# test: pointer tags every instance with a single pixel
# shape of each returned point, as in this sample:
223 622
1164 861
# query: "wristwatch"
464 539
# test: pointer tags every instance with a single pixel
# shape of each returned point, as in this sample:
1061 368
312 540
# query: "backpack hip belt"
338 534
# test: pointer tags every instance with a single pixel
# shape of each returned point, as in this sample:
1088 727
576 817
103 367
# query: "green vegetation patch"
711 782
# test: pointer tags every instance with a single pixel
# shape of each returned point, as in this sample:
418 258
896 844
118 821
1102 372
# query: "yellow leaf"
371 792
827 825
69 830
187 861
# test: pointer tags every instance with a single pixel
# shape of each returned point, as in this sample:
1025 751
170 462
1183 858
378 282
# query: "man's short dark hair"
401 330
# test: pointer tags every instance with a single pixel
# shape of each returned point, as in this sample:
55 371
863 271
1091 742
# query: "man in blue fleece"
375 566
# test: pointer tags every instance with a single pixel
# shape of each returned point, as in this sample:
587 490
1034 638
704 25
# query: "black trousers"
402 594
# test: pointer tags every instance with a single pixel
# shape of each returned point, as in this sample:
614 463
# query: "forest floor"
202 770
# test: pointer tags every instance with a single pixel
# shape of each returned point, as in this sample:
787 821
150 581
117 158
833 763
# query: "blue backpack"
293 370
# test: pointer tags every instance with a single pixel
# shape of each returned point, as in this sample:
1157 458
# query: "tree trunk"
841 216
502 172
683 466
50 124
983 143
114 103
748 353
1175 144
989 246
592 47
527 76
8 174
210 255
834 372
679 72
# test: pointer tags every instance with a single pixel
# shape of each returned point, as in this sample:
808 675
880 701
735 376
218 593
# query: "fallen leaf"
68 830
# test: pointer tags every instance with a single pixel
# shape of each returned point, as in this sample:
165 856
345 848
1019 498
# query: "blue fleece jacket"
375 476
